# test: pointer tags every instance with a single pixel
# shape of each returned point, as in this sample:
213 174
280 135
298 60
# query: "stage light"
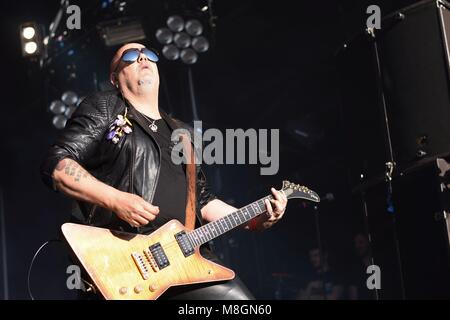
194 27
69 111
69 98
171 52
30 47
182 39
175 23
63 108
200 44
57 107
121 31
164 35
189 56
28 33
31 40
59 121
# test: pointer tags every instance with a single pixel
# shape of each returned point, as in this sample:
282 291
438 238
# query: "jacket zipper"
157 173
133 153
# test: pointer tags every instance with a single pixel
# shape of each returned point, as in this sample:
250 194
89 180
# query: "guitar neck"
216 228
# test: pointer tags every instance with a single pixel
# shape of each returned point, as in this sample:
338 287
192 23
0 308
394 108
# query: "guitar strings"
174 242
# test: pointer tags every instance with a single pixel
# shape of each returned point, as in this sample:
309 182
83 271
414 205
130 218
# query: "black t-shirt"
170 193
359 280
320 286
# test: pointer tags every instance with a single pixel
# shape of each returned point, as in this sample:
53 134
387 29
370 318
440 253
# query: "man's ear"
114 80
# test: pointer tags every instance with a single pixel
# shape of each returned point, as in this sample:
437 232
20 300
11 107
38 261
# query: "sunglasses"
131 55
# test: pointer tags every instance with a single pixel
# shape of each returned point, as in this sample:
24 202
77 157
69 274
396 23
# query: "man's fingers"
276 194
140 221
269 210
147 215
150 208
134 223
278 206
268 207
147 211
281 214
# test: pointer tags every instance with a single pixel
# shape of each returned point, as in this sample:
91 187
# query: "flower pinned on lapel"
119 128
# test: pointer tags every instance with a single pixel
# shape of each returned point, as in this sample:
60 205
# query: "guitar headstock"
292 190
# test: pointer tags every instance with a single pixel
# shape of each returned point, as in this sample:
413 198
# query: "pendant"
153 127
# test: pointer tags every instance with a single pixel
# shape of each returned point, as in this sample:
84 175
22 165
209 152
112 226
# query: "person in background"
358 289
324 283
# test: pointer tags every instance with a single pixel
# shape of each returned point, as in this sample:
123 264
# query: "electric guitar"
133 266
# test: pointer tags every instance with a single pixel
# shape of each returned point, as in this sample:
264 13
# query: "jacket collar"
134 114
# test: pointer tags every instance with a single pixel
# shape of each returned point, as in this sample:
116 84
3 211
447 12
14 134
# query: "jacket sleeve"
204 191
80 138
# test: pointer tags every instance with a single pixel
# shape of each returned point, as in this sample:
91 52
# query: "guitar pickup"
184 243
159 255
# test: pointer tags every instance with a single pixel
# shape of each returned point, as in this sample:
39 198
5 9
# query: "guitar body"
121 269
133 266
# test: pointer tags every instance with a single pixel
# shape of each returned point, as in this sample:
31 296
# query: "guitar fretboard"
216 228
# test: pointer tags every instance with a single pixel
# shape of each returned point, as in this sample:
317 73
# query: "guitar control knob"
153 287
123 290
138 289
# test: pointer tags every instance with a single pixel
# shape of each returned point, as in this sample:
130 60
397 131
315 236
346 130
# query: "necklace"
152 125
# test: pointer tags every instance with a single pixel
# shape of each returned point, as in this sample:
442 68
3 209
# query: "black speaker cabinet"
395 89
409 231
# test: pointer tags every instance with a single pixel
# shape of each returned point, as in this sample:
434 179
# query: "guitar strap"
191 183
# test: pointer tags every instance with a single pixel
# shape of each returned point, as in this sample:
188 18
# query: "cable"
32 261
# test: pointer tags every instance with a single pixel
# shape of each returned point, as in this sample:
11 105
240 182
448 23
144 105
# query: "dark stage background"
272 64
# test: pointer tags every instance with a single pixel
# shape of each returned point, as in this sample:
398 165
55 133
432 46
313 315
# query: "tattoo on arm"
71 168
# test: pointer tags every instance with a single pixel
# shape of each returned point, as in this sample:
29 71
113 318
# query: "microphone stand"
390 164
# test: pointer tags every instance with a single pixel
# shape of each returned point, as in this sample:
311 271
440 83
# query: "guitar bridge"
141 265
151 260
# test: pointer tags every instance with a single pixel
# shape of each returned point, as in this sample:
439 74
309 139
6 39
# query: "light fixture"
28 32
30 47
62 109
31 40
182 39
121 31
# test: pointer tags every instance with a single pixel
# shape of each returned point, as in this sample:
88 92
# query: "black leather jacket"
132 165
